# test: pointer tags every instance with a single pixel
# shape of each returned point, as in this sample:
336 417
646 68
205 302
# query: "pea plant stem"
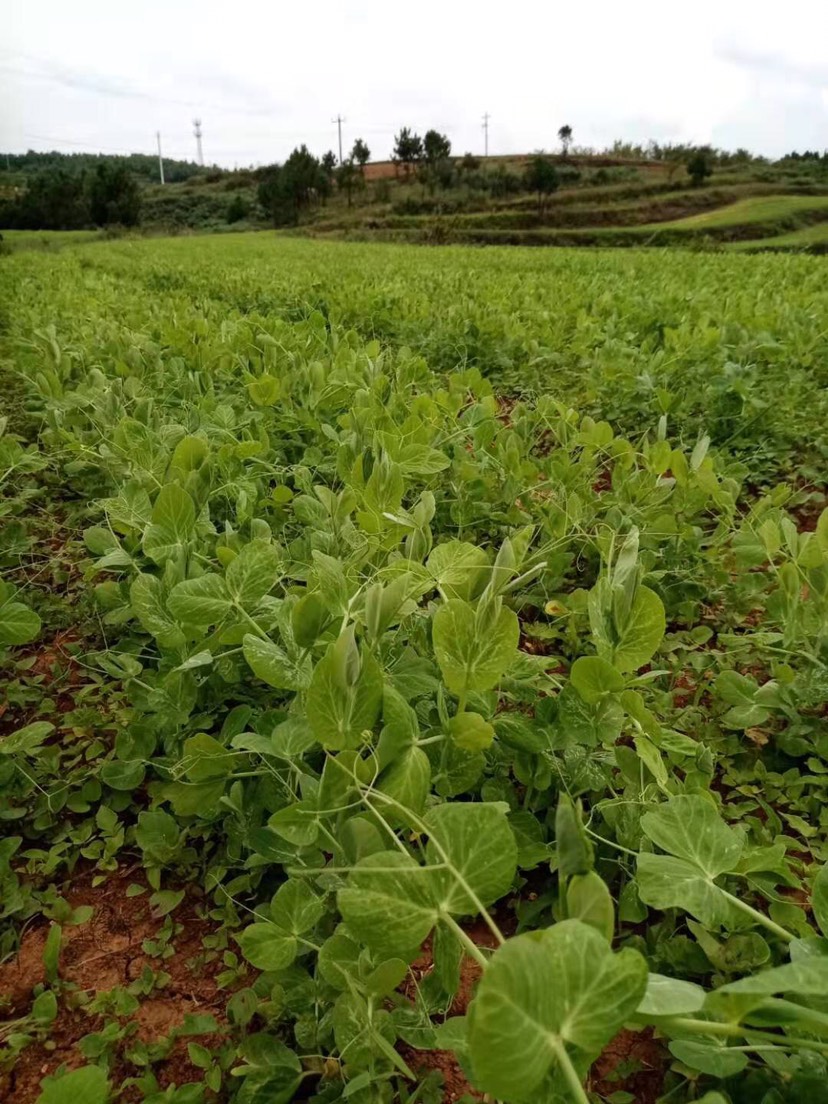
759 917
472 948
728 1030
571 1077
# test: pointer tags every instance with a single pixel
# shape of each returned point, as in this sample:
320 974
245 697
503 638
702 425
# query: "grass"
756 209
47 240
806 238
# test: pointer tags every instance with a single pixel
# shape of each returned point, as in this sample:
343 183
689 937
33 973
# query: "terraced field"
646 222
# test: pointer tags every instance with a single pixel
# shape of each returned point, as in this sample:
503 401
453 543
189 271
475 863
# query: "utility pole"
160 158
486 131
197 133
339 121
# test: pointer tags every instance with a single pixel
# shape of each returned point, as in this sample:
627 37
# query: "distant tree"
469 163
565 136
286 190
329 163
436 147
541 177
114 196
273 196
360 154
237 209
699 167
503 182
144 166
347 178
408 149
55 199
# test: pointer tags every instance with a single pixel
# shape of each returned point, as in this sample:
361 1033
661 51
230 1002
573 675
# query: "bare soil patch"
102 954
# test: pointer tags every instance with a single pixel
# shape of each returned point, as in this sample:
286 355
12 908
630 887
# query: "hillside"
604 201
601 201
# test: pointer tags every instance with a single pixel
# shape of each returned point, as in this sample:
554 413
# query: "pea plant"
396 672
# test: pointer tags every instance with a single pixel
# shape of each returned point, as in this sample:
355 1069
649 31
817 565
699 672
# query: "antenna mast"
197 133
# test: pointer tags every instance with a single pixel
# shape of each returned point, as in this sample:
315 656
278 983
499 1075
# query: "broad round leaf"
201 602
274 666
390 902
172 525
689 827
253 573
87 1085
470 659
18 624
339 712
479 847
666 996
471 732
562 987
267 946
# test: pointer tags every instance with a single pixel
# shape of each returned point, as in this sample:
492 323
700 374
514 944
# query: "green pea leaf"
471 659
88 1084
546 993
740 693
18 624
149 604
626 637
267 946
666 996
471 732
253 573
807 978
205 758
576 854
341 707
819 899
642 633
391 902
593 677
26 740
701 848
45 1007
296 908
172 525
264 390
713 1058
588 899
689 827
200 602
157 834
273 665
407 781
459 570
479 847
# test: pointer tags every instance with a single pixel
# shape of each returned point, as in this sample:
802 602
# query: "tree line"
61 199
74 191
142 165
303 180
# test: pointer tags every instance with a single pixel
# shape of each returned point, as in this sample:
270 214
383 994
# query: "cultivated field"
416 673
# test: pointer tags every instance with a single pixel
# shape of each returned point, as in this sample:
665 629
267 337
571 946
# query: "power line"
160 158
197 133
486 118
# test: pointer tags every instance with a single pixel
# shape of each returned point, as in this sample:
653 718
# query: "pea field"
415 674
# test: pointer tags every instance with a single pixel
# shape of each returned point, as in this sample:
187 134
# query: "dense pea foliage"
437 589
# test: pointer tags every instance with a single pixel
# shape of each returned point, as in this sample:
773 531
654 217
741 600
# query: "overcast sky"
264 75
